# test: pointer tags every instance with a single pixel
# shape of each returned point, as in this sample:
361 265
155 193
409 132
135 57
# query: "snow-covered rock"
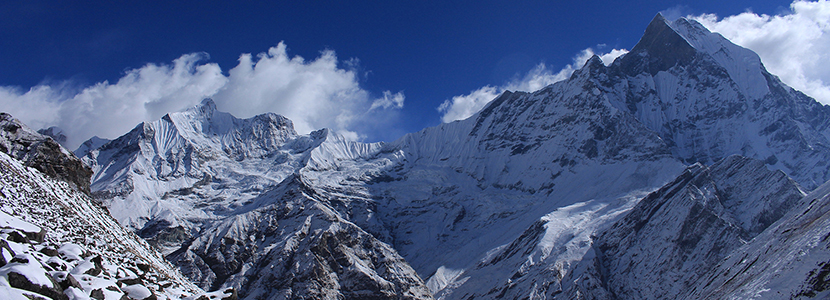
42 152
790 260
678 234
292 242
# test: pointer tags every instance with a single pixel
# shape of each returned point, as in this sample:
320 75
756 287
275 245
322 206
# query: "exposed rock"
42 153
70 281
5 251
22 282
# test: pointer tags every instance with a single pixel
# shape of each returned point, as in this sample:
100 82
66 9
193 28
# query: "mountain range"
681 170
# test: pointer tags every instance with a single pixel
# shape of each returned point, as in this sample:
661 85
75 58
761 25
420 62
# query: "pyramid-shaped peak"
660 32
660 48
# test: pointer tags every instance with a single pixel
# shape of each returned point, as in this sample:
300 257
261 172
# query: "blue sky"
395 62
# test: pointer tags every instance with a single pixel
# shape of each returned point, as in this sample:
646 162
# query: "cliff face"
42 153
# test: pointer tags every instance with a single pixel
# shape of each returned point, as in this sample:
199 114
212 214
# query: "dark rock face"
42 153
660 49
789 260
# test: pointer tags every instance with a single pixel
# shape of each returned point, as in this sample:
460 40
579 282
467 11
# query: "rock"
97 294
20 281
70 281
129 281
5 249
16 237
232 294
42 153
49 251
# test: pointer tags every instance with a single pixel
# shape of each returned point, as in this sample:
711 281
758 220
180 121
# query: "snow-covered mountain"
228 200
529 198
703 98
708 98
57 243
92 143
200 164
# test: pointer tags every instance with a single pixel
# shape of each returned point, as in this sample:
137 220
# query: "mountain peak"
594 62
205 108
660 48
55 132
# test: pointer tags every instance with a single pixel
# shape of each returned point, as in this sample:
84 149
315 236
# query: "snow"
444 277
82 267
77 294
8 221
71 252
31 269
10 293
137 291
92 143
743 65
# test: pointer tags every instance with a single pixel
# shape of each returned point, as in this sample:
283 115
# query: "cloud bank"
464 106
313 94
795 45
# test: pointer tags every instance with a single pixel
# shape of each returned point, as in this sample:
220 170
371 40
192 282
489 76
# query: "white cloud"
389 100
313 94
38 107
464 106
609 57
794 46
